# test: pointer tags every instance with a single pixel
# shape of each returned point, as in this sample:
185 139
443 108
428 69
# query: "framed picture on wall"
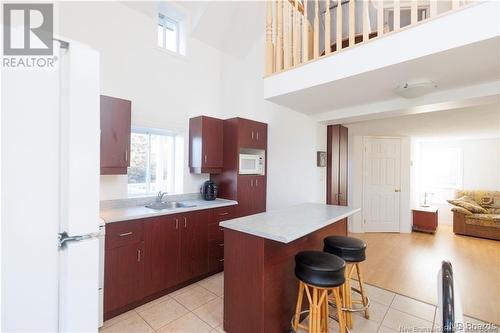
321 158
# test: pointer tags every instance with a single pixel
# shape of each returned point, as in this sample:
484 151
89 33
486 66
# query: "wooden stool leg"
340 313
324 314
313 314
298 309
347 299
362 289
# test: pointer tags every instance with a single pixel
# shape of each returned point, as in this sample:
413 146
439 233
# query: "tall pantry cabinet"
336 177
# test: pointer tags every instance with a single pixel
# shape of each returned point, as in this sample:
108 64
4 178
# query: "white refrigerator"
50 194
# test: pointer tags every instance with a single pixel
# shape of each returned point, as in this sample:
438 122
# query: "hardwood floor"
408 264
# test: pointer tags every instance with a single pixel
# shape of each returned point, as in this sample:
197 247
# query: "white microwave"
251 164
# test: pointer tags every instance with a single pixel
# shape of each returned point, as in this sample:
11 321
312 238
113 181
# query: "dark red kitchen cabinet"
216 237
123 276
205 145
193 244
252 134
161 256
259 195
115 135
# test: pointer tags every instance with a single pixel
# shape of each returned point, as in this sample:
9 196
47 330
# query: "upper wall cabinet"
252 134
205 145
115 135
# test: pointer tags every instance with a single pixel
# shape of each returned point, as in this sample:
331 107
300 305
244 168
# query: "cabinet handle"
205 159
126 156
222 214
221 260
256 182
138 255
126 234
252 135
257 136
221 229
176 223
221 244
185 222
251 182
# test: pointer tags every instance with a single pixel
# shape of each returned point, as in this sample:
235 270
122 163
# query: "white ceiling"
475 122
463 66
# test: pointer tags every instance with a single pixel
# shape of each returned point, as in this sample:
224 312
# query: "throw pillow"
469 204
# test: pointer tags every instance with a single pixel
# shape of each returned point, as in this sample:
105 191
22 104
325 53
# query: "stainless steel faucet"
160 195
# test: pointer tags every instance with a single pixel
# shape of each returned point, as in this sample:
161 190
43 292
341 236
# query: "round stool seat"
348 248
319 269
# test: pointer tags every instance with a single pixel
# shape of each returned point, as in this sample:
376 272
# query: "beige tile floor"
198 308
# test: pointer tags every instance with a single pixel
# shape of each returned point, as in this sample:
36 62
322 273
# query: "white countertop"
289 224
137 212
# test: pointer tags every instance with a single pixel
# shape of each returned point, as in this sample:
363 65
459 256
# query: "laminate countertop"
289 224
110 215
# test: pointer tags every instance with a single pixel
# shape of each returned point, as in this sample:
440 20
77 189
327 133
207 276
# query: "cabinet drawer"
123 233
223 213
215 232
215 255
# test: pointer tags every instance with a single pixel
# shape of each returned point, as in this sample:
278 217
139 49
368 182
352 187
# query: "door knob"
397 190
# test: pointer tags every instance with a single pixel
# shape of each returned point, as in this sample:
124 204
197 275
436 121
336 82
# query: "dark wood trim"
337 165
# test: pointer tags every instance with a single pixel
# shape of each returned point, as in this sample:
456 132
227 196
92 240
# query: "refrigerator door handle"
63 238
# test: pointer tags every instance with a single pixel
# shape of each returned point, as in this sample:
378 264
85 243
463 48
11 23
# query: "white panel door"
381 184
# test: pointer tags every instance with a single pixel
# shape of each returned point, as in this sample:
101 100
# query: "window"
441 173
154 163
168 33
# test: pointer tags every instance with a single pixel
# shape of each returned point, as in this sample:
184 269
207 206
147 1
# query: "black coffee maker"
209 190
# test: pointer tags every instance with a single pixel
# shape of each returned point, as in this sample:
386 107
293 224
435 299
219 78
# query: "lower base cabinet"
145 258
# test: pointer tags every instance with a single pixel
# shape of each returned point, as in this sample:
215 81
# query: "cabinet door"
161 245
115 135
343 166
212 147
245 195
123 276
246 133
260 136
194 244
206 145
259 195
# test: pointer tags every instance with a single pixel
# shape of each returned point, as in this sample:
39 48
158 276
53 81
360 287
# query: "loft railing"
299 31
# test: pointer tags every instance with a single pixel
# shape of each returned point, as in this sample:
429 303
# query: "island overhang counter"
260 287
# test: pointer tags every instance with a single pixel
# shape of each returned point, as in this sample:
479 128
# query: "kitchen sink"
168 205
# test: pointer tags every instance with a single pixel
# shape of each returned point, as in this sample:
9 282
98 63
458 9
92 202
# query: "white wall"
167 90
293 138
480 167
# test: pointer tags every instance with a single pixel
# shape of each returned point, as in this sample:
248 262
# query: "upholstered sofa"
477 213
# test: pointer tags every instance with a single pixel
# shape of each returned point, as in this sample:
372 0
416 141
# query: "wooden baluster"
352 22
414 12
279 35
397 15
380 18
338 43
316 29
366 21
269 39
305 35
328 39
455 4
433 8
296 30
286 34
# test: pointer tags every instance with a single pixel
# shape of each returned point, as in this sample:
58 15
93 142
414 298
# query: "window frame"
162 22
159 132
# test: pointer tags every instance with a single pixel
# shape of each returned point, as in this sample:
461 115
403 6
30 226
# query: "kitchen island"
260 287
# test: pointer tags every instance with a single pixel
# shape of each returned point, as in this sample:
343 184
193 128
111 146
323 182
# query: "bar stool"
319 273
352 250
